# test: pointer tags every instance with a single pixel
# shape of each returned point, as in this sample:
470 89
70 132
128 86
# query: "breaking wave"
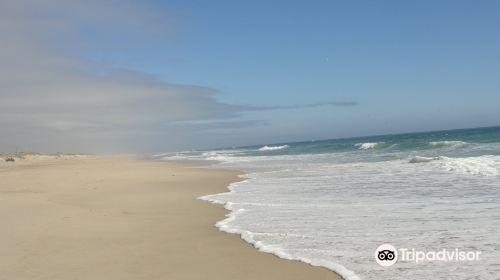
444 144
483 165
366 146
326 202
419 159
273 148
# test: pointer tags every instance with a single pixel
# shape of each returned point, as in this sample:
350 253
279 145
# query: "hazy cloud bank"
52 99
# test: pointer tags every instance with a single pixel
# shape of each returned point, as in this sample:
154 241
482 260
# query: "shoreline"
341 273
125 218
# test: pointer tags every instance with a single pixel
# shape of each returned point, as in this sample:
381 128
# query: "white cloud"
52 99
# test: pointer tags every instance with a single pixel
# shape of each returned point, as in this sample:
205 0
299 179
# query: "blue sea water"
333 202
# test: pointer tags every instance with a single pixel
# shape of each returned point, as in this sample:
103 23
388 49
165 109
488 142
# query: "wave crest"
483 165
273 148
444 144
366 146
419 159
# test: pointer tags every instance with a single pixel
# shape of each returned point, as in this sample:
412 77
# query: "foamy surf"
248 236
483 166
442 144
419 159
273 148
331 204
366 146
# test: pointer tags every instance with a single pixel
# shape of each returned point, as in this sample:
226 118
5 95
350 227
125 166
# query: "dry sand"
123 218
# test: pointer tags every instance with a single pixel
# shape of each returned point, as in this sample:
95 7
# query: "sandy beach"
124 218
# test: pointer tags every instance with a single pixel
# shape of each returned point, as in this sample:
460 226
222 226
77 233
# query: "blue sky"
400 59
408 65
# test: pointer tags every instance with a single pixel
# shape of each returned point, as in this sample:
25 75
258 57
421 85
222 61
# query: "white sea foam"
226 225
334 210
273 148
483 165
324 211
366 146
419 159
441 144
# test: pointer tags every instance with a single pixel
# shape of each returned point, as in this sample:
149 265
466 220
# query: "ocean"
331 203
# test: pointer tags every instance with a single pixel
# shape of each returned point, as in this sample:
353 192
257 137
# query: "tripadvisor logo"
387 255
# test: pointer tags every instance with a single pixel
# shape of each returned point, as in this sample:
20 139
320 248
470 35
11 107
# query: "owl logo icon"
386 255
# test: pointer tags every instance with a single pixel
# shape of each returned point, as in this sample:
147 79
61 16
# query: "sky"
156 76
